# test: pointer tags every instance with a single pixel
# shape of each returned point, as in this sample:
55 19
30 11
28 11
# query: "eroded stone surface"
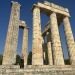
50 58
70 39
56 43
37 52
9 56
25 45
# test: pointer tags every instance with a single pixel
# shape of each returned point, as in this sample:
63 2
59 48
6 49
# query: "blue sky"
26 15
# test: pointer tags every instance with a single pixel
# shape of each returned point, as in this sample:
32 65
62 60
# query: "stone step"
38 70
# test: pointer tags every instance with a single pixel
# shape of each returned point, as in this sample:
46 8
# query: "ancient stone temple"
55 58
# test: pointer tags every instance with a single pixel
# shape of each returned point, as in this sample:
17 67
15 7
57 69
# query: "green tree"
29 61
67 61
1 58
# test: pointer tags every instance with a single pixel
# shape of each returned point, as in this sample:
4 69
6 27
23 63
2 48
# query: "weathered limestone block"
9 56
56 43
37 54
70 40
25 45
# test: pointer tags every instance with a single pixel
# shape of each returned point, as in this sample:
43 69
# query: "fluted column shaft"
50 59
70 39
25 45
56 43
9 56
37 54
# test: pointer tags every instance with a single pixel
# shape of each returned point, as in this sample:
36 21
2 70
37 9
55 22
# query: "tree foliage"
29 61
1 57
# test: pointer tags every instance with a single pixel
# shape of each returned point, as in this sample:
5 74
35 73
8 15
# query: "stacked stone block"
37 53
70 40
49 46
56 43
25 44
9 56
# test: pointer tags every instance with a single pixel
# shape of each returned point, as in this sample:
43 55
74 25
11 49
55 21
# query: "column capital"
35 7
13 2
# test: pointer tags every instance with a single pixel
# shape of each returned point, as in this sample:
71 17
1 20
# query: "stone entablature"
56 6
50 7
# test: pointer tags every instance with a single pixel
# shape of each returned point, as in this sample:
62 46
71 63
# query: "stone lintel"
48 9
56 6
47 27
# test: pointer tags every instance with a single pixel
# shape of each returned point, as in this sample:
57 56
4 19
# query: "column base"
38 70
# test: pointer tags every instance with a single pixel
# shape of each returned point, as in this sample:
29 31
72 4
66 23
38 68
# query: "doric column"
9 56
37 53
70 39
56 43
50 59
25 45
43 42
45 54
